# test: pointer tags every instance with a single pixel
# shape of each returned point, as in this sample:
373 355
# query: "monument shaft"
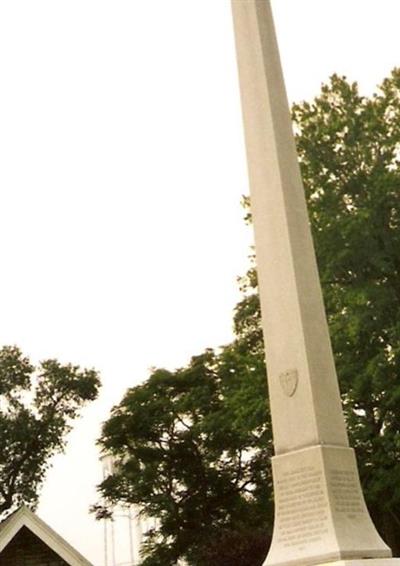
295 329
320 512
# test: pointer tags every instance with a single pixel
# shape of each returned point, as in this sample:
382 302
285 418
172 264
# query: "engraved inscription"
302 507
289 380
346 492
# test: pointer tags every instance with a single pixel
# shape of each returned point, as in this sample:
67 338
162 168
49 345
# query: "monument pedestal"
320 512
367 562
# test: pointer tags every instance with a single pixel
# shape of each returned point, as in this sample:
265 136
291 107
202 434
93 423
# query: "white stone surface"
367 562
320 511
294 322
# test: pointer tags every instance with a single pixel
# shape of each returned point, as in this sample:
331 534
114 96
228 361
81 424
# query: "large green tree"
349 148
37 406
191 446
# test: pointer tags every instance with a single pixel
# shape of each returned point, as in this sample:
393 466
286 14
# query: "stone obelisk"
320 513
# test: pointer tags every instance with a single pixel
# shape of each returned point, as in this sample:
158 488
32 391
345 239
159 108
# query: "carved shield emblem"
289 380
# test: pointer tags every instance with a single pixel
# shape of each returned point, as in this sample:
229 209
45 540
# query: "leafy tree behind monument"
37 407
349 148
194 444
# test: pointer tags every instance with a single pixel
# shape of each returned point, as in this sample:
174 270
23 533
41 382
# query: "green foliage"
247 546
37 406
349 148
192 446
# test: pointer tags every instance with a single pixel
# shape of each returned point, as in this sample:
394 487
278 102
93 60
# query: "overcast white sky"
122 169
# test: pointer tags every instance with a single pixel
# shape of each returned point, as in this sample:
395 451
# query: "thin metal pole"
131 536
105 543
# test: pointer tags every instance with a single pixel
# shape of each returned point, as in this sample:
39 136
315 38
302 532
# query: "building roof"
23 517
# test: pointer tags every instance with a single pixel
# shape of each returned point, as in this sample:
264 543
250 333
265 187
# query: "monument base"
320 514
366 562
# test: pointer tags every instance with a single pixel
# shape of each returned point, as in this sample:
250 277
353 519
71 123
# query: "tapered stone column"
320 513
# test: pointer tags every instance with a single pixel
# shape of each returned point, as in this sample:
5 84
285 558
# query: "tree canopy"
192 446
349 149
37 406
